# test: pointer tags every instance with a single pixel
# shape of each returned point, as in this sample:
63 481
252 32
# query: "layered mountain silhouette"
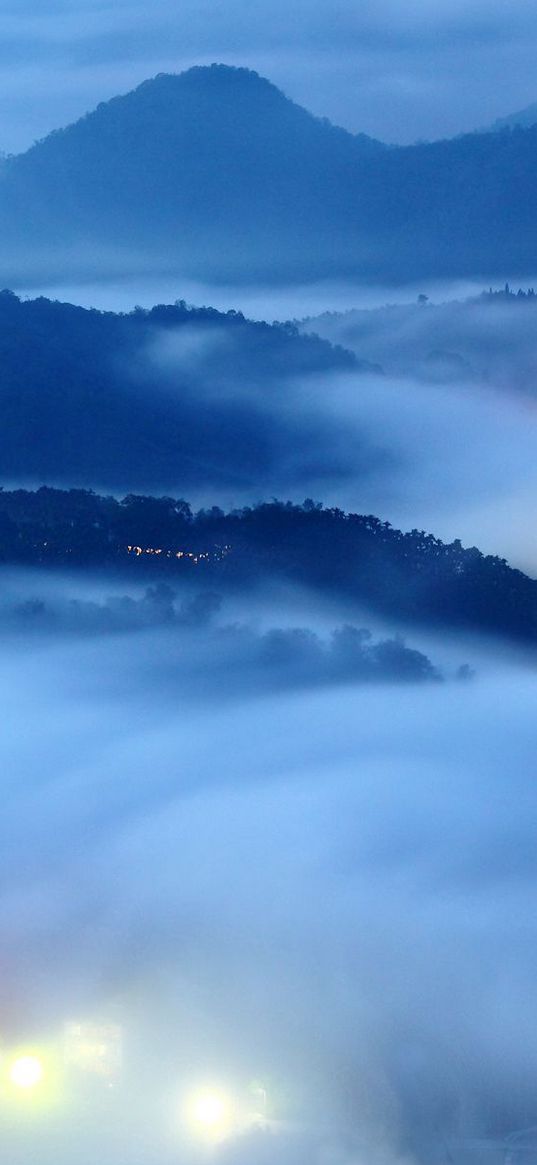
215 174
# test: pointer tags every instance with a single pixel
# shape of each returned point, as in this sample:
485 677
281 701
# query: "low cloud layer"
456 410
205 655
327 890
488 339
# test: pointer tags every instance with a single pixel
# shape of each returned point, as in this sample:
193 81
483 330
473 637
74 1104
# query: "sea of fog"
329 890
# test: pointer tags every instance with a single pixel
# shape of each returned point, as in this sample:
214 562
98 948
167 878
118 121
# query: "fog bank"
328 890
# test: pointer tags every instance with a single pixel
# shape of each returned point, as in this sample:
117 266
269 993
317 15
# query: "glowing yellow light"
210 1113
209 1109
26 1072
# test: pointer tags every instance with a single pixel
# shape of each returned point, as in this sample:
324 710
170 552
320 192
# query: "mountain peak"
208 87
216 156
214 77
201 95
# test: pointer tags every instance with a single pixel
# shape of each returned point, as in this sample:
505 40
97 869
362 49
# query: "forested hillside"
154 399
413 575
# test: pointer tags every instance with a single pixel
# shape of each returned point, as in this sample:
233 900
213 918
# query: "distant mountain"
175 397
215 174
213 170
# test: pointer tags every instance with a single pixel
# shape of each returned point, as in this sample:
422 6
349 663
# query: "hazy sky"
398 69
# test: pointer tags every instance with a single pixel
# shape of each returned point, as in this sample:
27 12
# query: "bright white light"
210 1113
209 1109
26 1072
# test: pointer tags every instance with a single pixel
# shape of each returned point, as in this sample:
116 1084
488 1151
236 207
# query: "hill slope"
216 174
165 398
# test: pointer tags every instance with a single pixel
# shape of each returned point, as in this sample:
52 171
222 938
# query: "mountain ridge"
187 174
203 80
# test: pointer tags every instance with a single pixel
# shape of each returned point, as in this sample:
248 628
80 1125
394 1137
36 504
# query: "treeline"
53 327
507 292
411 575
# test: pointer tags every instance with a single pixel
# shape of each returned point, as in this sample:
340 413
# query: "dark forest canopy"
216 174
156 400
413 576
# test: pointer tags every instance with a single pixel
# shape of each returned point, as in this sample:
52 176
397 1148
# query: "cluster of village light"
200 556
137 550
215 555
